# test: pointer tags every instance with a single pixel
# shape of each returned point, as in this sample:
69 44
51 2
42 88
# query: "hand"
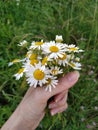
31 110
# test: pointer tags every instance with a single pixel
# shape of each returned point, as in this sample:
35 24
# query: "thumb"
64 83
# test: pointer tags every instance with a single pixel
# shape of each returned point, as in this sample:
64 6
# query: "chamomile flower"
37 75
75 65
73 48
59 38
19 74
23 43
53 50
56 70
64 59
36 45
51 83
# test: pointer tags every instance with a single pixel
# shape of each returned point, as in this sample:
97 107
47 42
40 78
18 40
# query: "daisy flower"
59 38
75 65
23 43
19 74
36 45
56 70
73 48
37 75
51 83
53 50
64 59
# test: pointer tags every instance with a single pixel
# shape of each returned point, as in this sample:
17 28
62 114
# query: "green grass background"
77 22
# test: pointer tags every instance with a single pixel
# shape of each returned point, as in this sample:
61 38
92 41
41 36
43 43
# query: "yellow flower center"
64 56
38 43
54 49
33 56
54 71
73 49
44 60
38 74
34 61
21 71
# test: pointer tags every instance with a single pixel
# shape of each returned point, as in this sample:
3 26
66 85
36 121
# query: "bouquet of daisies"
45 62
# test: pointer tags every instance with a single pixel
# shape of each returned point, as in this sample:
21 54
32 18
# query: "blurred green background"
77 22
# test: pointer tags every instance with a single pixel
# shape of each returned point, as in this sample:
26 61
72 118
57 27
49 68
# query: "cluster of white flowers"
45 62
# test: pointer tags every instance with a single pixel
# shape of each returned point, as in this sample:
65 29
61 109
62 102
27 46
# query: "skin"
31 109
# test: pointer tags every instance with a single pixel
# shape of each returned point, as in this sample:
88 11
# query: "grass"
77 22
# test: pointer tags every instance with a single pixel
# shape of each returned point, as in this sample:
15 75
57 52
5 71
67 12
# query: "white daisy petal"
75 65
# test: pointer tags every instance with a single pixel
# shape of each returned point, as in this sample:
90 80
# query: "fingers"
62 100
59 96
60 106
59 109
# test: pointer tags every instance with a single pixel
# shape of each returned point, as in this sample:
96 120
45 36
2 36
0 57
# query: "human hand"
31 110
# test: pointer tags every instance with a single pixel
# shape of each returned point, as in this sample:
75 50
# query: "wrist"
13 122
19 121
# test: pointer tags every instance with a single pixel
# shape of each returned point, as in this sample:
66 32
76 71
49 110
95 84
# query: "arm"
31 110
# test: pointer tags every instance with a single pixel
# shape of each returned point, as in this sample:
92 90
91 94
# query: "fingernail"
73 76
